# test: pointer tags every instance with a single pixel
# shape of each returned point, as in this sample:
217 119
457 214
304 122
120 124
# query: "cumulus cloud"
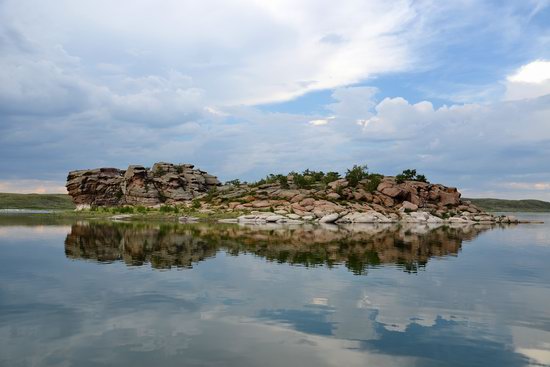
529 81
534 72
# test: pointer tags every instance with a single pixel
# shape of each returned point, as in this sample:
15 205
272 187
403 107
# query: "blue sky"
459 90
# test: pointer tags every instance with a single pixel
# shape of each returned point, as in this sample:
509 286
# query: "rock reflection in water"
358 247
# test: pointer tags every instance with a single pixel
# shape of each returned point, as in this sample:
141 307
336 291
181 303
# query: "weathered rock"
406 205
165 183
98 187
329 218
392 192
338 183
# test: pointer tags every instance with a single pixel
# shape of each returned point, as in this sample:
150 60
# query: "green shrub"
374 181
235 182
301 181
159 171
410 175
331 177
166 209
314 176
196 203
211 194
283 181
258 183
356 174
125 210
141 209
421 178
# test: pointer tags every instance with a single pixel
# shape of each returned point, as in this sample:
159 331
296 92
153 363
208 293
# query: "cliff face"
164 183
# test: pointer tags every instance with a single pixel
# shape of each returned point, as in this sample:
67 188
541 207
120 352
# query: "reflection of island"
358 247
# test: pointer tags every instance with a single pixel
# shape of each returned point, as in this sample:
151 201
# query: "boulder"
392 192
338 183
329 218
407 205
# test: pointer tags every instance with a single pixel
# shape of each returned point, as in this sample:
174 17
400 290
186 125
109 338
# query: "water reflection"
358 247
486 307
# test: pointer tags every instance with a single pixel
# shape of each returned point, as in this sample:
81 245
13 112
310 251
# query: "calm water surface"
116 294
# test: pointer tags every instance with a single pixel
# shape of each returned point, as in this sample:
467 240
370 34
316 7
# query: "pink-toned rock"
233 204
307 201
359 195
338 183
449 198
297 206
287 194
249 198
392 192
415 199
297 198
261 204
384 185
386 200
407 205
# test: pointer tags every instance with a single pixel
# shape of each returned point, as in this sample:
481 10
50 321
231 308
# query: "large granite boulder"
164 183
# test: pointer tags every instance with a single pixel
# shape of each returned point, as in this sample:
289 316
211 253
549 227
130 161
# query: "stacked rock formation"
164 183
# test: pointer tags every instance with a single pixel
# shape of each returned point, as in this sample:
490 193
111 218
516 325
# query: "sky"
459 90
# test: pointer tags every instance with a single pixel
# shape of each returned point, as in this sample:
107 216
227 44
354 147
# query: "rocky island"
310 196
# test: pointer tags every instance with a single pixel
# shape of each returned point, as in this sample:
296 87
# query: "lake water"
118 294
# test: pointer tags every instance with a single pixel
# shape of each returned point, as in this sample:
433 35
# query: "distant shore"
503 205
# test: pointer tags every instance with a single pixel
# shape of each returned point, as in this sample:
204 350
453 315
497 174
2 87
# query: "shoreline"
265 217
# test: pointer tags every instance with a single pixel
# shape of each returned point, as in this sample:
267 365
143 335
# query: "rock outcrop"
338 202
385 200
164 183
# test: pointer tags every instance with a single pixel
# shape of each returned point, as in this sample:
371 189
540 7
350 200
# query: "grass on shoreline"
36 201
502 205
150 214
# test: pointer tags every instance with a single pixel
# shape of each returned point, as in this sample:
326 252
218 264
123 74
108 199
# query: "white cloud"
534 72
321 122
237 52
529 81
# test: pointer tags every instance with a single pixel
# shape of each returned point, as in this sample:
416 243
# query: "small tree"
410 175
196 203
331 177
374 181
283 181
421 178
356 174
235 182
